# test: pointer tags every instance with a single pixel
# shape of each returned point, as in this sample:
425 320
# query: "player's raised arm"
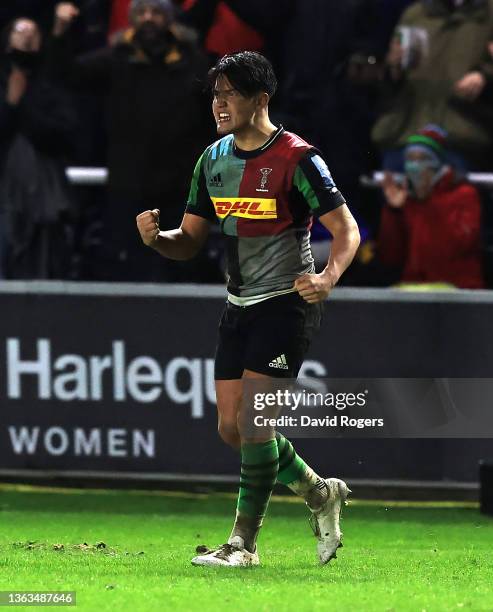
179 244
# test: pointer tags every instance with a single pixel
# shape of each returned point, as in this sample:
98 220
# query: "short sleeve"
199 202
314 181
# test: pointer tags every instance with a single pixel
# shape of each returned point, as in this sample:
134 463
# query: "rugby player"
263 185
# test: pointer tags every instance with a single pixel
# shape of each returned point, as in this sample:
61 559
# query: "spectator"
439 70
430 226
120 14
37 122
221 29
319 100
118 17
157 126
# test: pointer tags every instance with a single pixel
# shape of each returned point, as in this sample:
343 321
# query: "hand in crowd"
25 36
65 13
395 193
148 226
470 86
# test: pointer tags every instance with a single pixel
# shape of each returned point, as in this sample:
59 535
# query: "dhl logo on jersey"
246 208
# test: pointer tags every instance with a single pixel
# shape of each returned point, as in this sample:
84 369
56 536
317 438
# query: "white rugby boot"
232 554
325 520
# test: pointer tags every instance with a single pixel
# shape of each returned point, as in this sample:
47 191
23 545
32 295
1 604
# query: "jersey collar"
256 152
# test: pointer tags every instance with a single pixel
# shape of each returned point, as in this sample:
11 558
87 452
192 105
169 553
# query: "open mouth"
224 117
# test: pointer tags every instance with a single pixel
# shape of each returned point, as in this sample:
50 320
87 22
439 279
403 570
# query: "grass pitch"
125 550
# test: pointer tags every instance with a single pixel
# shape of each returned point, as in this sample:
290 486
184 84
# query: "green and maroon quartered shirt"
264 201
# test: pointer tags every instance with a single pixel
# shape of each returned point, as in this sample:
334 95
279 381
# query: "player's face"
232 111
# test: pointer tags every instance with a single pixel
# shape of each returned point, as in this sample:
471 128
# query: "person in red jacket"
430 225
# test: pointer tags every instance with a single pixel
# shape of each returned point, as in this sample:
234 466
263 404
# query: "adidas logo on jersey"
280 363
216 180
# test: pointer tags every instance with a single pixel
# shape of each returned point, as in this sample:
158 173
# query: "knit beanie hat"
166 6
430 140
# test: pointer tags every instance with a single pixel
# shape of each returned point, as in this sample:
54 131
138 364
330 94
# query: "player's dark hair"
249 72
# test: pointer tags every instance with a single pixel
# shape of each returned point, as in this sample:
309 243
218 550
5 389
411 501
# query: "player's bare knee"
229 434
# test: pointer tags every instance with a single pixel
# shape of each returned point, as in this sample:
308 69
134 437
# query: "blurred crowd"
401 86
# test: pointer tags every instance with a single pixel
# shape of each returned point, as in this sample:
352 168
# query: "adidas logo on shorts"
280 363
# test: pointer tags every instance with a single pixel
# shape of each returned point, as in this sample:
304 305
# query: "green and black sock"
298 476
259 468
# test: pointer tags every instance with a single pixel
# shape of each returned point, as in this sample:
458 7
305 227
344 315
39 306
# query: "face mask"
416 170
153 41
25 60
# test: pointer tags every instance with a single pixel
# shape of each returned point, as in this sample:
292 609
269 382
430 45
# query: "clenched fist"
313 288
148 226
65 14
25 36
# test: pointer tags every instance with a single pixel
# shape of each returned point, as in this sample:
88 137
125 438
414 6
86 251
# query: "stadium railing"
481 179
99 176
87 176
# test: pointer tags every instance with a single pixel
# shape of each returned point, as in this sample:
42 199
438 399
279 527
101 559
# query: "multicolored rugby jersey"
264 201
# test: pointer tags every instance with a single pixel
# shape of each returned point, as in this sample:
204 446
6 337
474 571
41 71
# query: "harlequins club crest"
264 178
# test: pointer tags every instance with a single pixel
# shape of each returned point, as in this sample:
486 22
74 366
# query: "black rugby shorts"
271 337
